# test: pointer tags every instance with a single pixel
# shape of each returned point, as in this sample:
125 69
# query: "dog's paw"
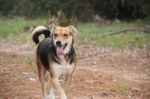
47 97
50 97
63 97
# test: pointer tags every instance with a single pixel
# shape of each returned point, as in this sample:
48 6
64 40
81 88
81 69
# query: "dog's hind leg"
41 73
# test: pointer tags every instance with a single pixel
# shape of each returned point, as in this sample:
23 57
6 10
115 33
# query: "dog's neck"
62 59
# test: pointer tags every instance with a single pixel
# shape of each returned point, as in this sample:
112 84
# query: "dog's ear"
73 30
53 27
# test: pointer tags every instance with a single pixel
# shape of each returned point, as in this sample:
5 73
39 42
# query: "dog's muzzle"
60 48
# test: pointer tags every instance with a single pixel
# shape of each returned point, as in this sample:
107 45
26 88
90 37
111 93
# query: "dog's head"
63 38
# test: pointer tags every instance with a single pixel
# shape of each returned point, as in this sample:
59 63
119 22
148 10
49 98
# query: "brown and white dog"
56 55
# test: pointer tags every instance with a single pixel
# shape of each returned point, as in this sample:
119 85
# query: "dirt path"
100 74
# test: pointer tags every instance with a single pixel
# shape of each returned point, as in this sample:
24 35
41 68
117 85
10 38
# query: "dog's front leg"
51 93
68 80
58 87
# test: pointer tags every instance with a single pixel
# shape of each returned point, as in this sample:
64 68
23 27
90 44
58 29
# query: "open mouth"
60 49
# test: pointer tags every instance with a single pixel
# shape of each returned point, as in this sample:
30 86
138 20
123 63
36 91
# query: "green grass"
29 61
91 32
123 89
14 31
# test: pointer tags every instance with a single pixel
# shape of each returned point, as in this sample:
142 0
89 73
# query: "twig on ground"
145 30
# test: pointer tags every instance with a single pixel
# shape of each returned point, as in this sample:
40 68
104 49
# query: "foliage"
81 9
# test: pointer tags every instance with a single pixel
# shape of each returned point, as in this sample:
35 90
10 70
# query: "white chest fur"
62 69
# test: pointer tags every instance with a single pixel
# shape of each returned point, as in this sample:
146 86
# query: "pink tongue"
59 50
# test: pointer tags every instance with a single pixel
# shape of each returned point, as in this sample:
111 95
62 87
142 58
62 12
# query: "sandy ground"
100 73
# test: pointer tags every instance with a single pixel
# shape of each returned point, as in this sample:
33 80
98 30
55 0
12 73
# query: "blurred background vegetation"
83 10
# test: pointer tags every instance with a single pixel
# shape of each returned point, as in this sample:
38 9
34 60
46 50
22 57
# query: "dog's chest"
63 69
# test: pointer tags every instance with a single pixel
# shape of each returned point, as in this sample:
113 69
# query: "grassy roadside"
16 30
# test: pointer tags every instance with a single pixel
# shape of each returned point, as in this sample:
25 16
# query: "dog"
55 54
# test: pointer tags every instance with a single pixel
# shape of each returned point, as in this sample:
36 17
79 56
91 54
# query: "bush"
80 9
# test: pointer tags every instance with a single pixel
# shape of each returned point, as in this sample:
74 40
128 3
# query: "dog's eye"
65 35
55 35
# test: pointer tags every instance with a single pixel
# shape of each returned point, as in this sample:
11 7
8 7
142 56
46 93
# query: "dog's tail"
38 31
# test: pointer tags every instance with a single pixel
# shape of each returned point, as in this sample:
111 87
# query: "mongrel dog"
55 54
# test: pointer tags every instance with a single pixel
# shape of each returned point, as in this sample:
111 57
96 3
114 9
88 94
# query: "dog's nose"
58 43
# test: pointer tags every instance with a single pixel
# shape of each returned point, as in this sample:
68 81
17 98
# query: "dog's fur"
56 62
